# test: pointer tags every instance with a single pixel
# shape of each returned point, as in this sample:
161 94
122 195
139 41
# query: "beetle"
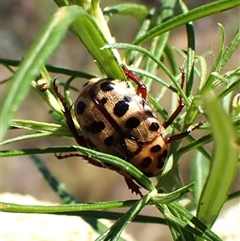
116 119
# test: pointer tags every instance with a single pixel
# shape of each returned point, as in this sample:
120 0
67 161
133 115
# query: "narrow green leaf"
222 58
207 86
194 14
93 39
190 52
200 229
25 137
178 218
53 69
66 197
137 11
36 57
170 54
37 126
199 171
223 166
115 231
156 60
43 150
120 163
93 31
172 196
45 44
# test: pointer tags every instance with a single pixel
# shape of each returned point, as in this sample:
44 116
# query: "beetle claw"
133 186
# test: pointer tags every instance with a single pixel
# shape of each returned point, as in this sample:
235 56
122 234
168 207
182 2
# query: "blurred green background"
21 21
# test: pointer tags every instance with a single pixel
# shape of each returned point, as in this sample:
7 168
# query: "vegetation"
216 100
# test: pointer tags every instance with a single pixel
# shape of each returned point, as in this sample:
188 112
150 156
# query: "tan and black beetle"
116 120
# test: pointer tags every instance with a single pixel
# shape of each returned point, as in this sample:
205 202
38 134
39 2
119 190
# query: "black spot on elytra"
156 148
132 122
149 112
107 86
108 141
103 100
80 107
148 174
95 127
161 159
160 162
127 98
146 162
120 108
154 126
165 153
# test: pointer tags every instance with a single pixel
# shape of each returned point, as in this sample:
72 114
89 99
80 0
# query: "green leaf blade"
223 166
36 57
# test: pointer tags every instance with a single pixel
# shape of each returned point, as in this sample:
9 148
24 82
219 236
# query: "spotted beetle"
116 119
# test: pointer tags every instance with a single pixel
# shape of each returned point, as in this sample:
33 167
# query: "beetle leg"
67 113
89 159
130 183
175 114
179 107
81 141
141 87
133 186
182 134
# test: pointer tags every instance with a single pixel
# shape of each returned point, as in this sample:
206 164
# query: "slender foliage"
220 109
